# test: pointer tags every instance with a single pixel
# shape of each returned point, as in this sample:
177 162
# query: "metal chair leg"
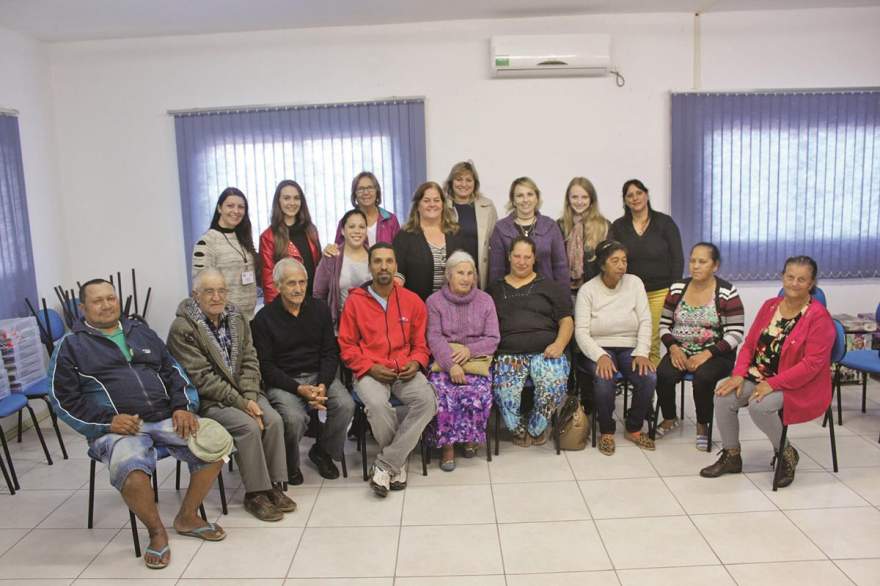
362 438
92 493
839 400
344 466
177 476
709 444
156 484
9 459
830 417
19 427
864 390
134 534
54 417
593 423
682 399
554 420
652 431
39 433
425 456
777 473
222 492
9 484
489 435
202 512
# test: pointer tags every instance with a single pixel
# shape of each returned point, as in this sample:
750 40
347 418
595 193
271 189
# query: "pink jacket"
804 365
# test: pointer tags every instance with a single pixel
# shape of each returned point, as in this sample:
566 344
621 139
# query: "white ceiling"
78 20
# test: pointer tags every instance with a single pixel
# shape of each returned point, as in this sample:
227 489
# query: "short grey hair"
284 265
209 272
456 258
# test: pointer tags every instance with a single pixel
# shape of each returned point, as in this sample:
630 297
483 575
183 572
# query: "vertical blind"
322 147
17 275
770 175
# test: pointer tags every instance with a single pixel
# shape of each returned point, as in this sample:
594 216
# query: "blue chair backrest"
839 348
818 295
55 323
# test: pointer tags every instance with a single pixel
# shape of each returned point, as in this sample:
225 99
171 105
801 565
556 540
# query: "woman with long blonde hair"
583 228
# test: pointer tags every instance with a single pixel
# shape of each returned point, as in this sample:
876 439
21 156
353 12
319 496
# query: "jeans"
604 391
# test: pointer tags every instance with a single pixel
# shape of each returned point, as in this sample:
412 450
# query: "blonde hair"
447 217
461 168
595 224
527 181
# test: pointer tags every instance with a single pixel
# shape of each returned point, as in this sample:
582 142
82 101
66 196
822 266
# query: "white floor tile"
110 512
517 464
27 509
597 578
351 507
789 574
758 454
117 560
449 550
303 496
679 459
810 490
865 481
496 580
467 471
756 537
337 582
634 497
694 576
654 542
731 493
539 501
626 462
235 582
842 533
62 475
72 550
852 452
246 553
862 572
327 552
562 546
9 537
115 582
448 505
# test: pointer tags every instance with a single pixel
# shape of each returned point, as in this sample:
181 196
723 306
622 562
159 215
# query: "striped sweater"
730 316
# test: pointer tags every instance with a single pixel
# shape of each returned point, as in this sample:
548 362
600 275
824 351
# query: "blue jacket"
91 381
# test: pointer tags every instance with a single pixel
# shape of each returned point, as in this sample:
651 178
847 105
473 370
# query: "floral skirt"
462 410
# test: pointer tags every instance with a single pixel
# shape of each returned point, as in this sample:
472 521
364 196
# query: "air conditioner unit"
550 55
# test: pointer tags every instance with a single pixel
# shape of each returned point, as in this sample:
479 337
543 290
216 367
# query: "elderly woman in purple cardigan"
460 314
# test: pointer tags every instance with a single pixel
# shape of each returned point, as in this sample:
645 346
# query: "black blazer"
415 262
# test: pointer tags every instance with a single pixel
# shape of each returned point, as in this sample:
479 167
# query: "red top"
370 335
267 252
804 375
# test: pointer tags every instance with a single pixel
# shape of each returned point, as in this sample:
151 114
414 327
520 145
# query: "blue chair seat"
864 360
12 404
37 389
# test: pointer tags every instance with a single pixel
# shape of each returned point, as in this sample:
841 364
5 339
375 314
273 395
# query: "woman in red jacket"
784 364
290 234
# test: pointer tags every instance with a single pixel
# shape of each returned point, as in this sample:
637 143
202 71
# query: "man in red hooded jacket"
382 340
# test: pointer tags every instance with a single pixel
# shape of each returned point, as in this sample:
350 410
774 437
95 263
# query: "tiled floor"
530 518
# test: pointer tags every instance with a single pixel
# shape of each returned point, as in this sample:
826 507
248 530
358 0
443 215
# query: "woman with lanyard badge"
228 246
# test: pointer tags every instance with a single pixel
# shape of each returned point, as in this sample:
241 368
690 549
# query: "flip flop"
159 553
203 532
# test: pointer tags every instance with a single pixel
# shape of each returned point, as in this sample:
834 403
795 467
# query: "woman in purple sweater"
460 314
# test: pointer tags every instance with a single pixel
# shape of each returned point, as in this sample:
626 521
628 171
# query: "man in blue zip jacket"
113 380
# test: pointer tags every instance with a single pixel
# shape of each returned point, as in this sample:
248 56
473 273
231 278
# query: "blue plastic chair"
863 361
837 352
11 405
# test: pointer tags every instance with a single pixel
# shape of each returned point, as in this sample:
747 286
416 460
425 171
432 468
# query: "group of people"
451 314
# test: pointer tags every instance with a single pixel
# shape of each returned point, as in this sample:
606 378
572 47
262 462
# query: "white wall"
116 144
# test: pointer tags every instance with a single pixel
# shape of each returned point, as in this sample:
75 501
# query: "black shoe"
726 464
324 462
790 459
295 478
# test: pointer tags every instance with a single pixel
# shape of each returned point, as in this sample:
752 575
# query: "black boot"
789 462
728 463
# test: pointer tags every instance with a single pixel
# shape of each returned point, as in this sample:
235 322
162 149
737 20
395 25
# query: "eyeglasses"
213 292
362 190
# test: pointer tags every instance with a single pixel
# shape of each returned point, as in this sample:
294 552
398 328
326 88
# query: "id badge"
247 277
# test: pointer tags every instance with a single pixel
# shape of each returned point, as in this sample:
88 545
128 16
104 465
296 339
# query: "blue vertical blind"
322 147
17 275
770 175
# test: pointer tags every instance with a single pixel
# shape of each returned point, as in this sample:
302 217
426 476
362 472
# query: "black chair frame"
777 457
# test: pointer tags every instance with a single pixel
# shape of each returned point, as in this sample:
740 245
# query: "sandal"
160 555
447 465
606 444
642 440
523 441
662 430
209 532
469 450
540 440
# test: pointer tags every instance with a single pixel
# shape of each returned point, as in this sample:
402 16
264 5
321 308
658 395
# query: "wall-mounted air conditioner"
550 55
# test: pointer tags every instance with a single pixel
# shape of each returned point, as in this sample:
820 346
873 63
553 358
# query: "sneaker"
380 480
728 463
398 481
321 459
790 459
259 505
282 502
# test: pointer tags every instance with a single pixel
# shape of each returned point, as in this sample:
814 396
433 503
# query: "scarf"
575 249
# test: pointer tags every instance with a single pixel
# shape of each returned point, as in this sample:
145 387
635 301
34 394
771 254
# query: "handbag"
477 365
574 425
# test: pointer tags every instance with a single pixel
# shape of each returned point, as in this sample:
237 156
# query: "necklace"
527 229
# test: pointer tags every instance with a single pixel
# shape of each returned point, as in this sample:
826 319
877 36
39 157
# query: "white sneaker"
398 481
380 480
